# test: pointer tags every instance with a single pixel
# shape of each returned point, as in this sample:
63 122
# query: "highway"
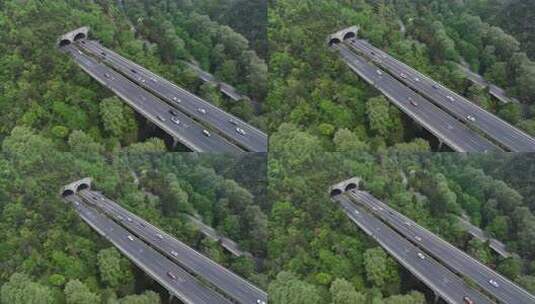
211 233
447 254
185 287
202 111
441 280
223 279
495 128
226 88
494 90
478 233
448 129
188 132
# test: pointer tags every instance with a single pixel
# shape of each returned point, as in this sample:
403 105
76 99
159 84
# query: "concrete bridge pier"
437 297
440 144
171 298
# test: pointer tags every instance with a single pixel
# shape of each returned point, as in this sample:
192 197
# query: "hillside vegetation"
313 91
48 255
318 255
43 89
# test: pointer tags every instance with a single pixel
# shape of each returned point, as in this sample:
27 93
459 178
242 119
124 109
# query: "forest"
317 255
48 255
43 89
311 90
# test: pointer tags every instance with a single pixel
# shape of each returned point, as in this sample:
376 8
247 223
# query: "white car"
233 122
130 237
160 236
471 118
161 118
379 73
174 253
402 75
171 275
421 256
494 283
107 75
419 239
129 219
206 133
176 99
450 98
260 302
357 212
202 111
175 120
240 131
417 79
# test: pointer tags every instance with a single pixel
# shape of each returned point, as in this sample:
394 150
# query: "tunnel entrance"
335 192
349 35
351 186
81 187
79 36
64 42
67 192
334 41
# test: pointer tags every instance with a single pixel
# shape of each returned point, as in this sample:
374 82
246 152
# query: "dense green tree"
342 292
379 267
347 141
21 290
148 297
77 292
114 269
288 289
413 298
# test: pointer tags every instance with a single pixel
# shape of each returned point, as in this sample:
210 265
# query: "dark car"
173 112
